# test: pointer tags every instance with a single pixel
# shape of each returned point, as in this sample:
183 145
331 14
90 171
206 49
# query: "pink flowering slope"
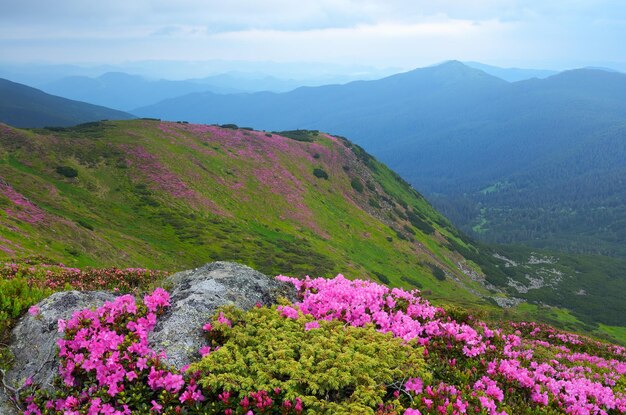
22 209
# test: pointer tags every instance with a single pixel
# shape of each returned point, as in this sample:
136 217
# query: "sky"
403 34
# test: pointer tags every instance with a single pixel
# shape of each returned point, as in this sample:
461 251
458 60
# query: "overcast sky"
381 33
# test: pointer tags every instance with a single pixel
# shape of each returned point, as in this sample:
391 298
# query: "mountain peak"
451 64
449 73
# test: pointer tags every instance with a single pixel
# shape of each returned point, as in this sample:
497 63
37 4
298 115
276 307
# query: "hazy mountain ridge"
125 91
23 106
512 74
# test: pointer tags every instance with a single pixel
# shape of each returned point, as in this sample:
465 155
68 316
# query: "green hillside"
170 196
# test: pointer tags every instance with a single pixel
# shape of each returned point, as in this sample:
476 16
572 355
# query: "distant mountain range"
511 74
124 91
539 161
23 106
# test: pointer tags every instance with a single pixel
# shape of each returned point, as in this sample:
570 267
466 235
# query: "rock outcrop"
34 339
195 295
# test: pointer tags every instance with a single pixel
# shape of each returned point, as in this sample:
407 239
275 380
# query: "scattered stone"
507 262
6 407
540 259
508 302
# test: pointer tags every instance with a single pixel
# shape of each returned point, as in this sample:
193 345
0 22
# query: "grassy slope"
169 196
173 196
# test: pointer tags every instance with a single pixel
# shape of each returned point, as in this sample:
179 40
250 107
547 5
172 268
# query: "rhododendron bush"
523 369
27 282
327 367
345 347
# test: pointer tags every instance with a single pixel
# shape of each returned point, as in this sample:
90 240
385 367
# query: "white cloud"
381 32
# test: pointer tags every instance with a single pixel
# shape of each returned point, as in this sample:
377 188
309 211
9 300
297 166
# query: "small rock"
195 294
34 339
6 407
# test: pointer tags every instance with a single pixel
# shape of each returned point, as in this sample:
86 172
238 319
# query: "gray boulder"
195 294
34 340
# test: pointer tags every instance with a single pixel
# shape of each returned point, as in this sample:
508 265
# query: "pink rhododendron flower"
221 318
288 312
311 325
156 407
414 385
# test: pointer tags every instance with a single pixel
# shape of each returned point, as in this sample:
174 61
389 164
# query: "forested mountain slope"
23 106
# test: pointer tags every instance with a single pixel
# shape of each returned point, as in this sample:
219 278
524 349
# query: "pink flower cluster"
522 367
478 367
107 350
402 313
105 359
59 276
26 210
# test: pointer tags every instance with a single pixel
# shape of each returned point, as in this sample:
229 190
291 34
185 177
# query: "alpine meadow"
321 207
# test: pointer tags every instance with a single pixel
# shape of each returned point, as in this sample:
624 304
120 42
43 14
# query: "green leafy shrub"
67 171
320 173
306 136
411 281
16 296
420 223
85 224
333 369
373 203
382 278
437 272
357 185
